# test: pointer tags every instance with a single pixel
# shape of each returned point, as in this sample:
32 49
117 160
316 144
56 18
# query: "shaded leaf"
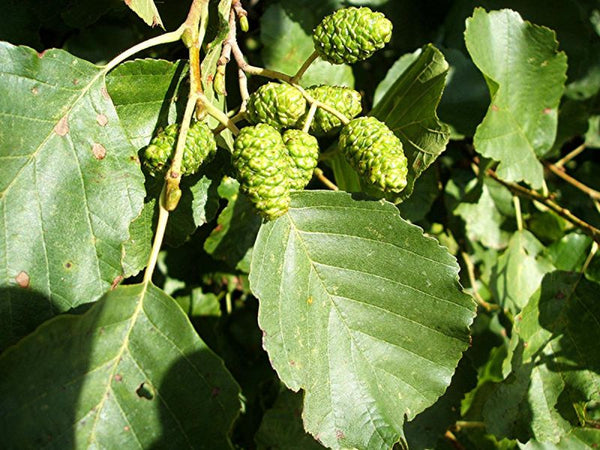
525 74
70 184
360 310
129 373
409 109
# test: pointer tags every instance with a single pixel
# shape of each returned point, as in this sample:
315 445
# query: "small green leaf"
409 109
525 74
129 373
70 184
147 11
360 310
519 271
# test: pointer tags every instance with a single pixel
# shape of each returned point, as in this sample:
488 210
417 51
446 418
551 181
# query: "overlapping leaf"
360 310
70 184
129 373
409 109
526 74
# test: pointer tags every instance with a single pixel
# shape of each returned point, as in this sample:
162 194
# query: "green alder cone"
375 152
345 100
263 169
276 104
303 150
351 34
200 146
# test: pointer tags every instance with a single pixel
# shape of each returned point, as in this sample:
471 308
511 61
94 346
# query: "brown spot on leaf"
62 127
116 282
292 363
68 265
99 151
126 428
339 434
215 391
495 108
128 2
560 295
102 120
22 279
547 110
105 93
75 81
35 91
118 378
41 54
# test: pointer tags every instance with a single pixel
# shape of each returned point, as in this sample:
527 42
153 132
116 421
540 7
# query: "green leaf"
281 427
526 75
556 364
129 373
70 184
287 45
136 250
147 11
237 226
360 310
519 270
578 439
409 109
393 74
570 252
345 176
145 93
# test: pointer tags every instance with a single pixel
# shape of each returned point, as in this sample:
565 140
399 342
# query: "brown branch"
588 229
326 181
569 156
560 172
472 279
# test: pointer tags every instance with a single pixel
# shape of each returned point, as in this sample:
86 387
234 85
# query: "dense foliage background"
514 197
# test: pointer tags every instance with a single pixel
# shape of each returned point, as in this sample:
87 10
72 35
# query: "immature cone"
351 34
375 152
345 100
263 168
276 104
200 146
303 150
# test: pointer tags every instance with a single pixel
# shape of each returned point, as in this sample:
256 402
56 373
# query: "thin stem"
233 120
326 181
591 255
468 424
572 181
517 204
310 99
472 280
450 437
569 156
313 56
309 118
588 229
161 226
165 38
219 115
253 70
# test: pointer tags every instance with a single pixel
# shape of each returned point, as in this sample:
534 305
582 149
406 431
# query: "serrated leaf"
287 44
281 427
526 74
129 373
409 109
519 271
556 365
147 11
145 94
360 310
70 184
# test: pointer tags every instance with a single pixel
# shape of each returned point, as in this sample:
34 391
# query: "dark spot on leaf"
35 91
76 81
560 295
68 264
209 78
99 151
118 377
219 227
215 392
495 108
339 434
22 279
116 282
102 120
145 391
62 127
292 363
